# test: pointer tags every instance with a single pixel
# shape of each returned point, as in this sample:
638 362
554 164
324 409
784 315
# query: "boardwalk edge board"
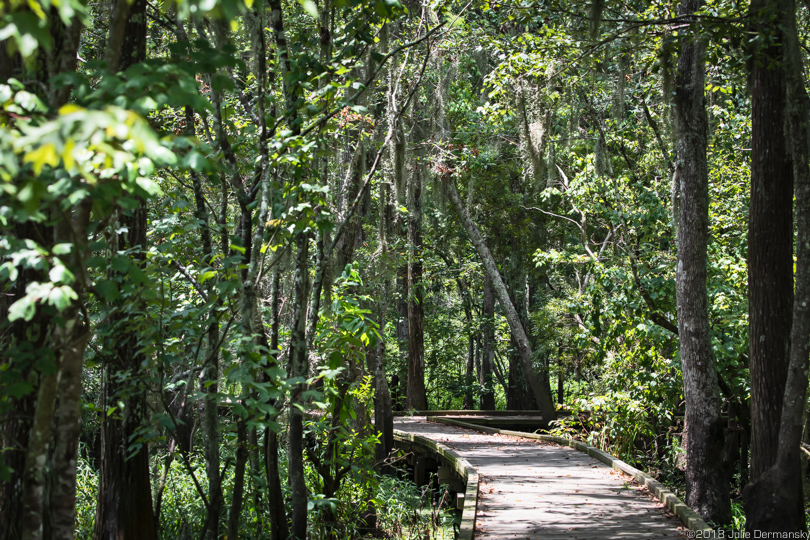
688 517
462 467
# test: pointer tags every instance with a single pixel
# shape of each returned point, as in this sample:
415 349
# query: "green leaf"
24 309
310 7
60 297
62 249
107 289
60 274
121 263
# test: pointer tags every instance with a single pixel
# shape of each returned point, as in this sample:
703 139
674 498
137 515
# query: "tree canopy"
238 236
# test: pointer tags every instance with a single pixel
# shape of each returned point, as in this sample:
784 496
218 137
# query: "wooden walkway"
531 489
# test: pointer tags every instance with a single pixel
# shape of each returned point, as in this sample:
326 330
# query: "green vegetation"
237 236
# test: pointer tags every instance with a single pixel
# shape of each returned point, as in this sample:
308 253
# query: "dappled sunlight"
531 489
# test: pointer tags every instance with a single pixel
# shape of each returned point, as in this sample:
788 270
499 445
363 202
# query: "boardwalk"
531 489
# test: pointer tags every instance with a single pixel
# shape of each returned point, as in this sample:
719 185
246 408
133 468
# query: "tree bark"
124 507
275 497
541 394
238 491
416 397
770 247
488 345
774 501
383 413
69 343
298 369
707 488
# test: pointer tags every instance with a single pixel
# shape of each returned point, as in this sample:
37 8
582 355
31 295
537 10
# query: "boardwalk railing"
460 465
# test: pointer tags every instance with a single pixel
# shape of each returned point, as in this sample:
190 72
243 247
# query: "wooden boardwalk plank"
531 489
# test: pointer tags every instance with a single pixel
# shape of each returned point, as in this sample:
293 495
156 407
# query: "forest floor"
531 489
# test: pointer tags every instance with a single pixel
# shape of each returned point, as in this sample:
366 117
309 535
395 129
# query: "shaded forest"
238 236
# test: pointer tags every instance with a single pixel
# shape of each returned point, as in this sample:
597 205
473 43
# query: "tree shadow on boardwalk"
531 489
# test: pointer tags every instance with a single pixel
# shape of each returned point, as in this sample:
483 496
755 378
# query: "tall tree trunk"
469 375
488 345
383 413
541 394
298 364
402 336
26 427
34 481
124 509
519 397
27 508
770 245
774 501
238 490
707 489
416 397
69 343
278 529
275 497
298 368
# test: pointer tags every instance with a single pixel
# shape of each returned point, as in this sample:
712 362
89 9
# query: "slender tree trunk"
275 498
402 333
34 496
541 395
707 489
26 428
770 246
238 491
469 375
27 508
383 414
488 345
69 343
298 368
416 394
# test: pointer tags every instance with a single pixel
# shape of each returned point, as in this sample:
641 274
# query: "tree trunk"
275 498
707 489
124 507
416 397
298 369
69 343
469 375
45 457
774 501
770 247
238 491
383 414
488 345
519 397
541 394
